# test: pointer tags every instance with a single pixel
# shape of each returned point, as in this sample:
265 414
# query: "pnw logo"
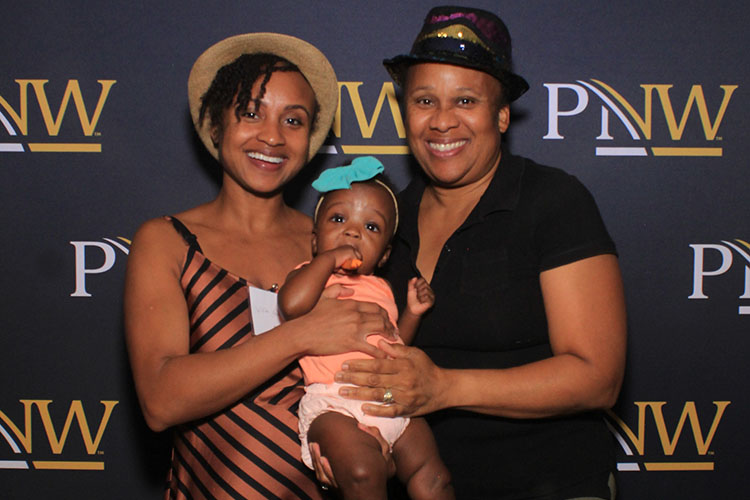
96 257
711 260
568 100
660 441
63 450
37 139
350 102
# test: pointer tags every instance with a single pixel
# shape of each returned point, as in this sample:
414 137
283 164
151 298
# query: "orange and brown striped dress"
251 449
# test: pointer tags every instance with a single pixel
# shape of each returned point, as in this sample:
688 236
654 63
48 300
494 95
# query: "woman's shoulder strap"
189 237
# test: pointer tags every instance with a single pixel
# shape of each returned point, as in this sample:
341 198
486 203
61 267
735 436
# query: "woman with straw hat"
262 104
526 342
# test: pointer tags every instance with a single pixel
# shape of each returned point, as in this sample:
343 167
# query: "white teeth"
446 147
262 157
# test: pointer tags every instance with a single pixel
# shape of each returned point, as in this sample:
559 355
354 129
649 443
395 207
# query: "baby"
355 220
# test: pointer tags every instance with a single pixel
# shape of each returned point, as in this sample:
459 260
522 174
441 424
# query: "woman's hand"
335 326
322 466
587 328
415 383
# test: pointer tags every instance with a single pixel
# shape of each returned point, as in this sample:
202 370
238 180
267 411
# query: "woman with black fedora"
526 343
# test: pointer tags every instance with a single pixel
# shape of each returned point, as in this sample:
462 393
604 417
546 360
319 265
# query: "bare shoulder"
159 231
156 241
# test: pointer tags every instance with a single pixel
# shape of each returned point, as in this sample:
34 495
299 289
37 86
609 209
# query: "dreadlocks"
234 82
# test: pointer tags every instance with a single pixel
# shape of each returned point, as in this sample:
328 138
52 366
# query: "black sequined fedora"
463 36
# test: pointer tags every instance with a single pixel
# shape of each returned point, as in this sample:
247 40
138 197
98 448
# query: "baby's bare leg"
418 463
354 455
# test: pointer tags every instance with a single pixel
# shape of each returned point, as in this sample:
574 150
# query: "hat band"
447 48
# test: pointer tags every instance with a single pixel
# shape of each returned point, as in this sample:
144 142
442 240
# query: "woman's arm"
175 386
585 310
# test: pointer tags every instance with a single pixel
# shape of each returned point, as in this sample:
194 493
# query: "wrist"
409 312
295 337
448 394
328 259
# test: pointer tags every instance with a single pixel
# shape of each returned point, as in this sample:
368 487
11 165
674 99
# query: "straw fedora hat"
310 61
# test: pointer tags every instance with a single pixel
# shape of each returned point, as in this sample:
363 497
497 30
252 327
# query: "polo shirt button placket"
447 249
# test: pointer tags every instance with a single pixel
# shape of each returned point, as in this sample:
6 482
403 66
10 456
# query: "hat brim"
515 85
311 62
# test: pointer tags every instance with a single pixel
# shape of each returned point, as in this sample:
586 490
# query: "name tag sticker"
264 309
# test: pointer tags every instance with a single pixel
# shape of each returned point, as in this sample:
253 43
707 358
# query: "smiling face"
268 144
363 217
454 122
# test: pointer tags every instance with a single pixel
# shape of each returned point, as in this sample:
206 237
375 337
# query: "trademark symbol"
711 453
100 452
97 134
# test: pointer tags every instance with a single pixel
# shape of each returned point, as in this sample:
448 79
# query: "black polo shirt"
489 313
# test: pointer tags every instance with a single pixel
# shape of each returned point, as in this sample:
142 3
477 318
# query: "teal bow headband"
361 169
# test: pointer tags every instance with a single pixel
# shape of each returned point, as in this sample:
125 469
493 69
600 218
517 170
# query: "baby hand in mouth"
351 264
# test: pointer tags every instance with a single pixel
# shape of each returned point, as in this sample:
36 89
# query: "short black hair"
236 80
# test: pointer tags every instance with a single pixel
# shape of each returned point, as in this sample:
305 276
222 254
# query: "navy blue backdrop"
645 102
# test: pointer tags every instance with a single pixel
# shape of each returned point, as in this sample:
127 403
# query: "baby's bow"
361 169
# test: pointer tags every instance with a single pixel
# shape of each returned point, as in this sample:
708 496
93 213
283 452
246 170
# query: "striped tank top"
251 449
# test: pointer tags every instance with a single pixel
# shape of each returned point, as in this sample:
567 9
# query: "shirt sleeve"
569 226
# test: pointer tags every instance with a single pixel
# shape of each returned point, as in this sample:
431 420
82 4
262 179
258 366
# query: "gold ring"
387 397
